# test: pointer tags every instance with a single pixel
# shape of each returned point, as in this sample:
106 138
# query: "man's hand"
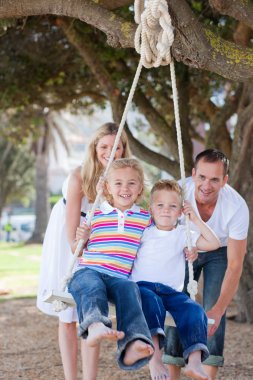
216 316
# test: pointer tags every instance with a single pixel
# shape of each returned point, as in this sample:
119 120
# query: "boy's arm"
207 241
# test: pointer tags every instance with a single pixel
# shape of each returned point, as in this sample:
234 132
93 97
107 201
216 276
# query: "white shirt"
160 257
230 217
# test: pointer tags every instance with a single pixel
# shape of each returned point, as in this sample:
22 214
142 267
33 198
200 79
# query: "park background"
61 64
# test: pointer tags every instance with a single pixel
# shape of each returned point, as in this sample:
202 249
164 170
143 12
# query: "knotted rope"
153 40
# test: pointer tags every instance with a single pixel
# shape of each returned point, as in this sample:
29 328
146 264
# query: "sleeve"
239 223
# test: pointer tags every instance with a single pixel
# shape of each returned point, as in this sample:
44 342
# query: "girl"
79 192
106 263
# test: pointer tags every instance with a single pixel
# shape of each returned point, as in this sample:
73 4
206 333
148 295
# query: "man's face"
209 179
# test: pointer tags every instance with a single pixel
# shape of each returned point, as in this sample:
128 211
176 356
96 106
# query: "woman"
79 192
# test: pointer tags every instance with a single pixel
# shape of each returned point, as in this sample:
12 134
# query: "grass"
19 269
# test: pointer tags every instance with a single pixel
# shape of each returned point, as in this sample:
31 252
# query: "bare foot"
158 370
195 372
137 350
98 331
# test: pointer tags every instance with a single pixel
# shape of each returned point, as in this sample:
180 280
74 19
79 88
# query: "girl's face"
124 186
104 148
165 209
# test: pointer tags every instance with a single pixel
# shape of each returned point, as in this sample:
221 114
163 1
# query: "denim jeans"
190 318
214 265
92 290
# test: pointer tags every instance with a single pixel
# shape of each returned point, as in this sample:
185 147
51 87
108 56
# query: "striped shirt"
114 240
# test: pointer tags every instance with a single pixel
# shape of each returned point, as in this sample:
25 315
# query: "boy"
159 270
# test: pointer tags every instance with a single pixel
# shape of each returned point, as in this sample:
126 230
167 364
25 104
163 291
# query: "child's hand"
188 210
191 255
83 232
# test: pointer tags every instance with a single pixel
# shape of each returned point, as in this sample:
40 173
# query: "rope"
153 40
60 305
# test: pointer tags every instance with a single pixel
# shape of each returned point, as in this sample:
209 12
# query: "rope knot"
59 306
154 35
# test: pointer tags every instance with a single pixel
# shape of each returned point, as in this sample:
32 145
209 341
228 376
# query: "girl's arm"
73 206
207 241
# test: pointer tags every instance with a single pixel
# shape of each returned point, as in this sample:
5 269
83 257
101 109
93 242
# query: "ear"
193 172
225 180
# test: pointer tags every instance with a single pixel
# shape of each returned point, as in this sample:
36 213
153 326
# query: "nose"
206 184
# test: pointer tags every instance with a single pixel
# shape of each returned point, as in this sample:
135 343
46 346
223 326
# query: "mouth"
125 196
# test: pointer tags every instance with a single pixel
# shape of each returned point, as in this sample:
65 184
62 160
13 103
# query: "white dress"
56 257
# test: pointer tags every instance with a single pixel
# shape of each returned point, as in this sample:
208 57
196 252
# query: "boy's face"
165 209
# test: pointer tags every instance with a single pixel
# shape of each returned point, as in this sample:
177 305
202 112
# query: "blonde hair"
92 168
123 163
168 185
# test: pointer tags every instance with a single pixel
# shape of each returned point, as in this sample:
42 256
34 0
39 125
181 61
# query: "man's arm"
235 252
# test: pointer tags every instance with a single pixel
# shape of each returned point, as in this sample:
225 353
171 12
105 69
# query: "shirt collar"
106 208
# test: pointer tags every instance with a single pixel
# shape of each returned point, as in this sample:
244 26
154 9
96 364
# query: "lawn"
19 269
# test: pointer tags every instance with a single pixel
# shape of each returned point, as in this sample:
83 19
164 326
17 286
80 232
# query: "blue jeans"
214 265
92 290
190 318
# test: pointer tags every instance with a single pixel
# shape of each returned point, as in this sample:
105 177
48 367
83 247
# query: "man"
226 212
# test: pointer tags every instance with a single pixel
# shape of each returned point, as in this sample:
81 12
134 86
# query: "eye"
201 177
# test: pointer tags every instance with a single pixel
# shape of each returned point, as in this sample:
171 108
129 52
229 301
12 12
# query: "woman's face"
104 148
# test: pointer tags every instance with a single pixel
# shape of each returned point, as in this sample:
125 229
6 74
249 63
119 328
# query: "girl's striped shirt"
114 240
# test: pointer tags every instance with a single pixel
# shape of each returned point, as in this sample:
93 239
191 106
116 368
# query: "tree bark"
242 180
42 195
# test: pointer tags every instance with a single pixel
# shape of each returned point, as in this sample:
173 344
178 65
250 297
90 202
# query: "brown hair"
168 185
123 163
213 155
92 168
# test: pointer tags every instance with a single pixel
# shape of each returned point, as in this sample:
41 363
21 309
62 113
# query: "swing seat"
57 295
69 300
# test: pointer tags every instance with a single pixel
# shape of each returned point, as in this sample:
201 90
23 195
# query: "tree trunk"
242 180
41 204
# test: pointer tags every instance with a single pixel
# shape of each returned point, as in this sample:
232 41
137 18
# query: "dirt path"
29 348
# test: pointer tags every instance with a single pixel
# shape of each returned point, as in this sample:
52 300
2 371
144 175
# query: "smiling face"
165 209
104 148
124 185
209 179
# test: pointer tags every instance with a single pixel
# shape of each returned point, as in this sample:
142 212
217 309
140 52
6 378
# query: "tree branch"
194 45
241 10
120 33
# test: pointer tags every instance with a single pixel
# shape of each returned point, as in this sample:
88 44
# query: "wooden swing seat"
56 295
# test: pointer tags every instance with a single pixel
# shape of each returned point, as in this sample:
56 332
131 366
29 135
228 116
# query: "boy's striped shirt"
114 240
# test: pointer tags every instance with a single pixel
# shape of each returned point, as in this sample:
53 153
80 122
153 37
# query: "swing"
153 40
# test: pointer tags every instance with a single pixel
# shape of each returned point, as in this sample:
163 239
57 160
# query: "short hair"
213 155
168 185
123 163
